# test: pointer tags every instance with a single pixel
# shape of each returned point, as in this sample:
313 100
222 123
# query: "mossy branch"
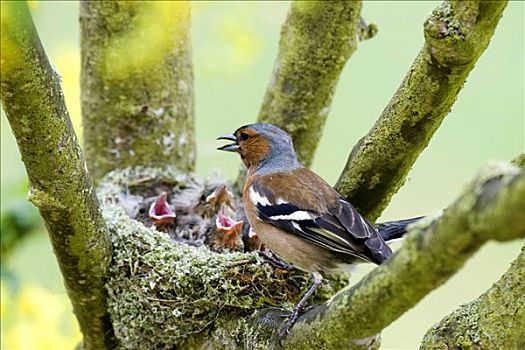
137 85
317 39
495 318
456 34
60 185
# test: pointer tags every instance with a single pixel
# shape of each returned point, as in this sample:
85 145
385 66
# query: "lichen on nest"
161 291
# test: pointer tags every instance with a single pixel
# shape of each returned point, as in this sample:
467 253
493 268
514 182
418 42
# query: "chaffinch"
298 215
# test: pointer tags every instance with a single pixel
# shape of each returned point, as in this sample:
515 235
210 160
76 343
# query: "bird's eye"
244 136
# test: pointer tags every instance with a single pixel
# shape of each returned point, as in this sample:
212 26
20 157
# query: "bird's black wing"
340 229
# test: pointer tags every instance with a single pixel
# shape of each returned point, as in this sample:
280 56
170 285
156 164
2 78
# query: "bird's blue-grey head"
264 148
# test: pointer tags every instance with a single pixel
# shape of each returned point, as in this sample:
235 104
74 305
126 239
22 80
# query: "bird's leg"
276 262
318 278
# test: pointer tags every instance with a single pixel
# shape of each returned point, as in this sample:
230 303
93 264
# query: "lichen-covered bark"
495 319
456 34
137 85
60 185
317 39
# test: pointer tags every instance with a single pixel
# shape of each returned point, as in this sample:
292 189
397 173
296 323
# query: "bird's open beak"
232 147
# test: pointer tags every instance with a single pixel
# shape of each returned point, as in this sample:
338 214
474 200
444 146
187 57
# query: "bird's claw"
284 331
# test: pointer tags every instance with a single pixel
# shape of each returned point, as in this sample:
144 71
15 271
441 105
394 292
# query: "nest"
167 282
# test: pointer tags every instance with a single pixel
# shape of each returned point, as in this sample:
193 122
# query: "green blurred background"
234 47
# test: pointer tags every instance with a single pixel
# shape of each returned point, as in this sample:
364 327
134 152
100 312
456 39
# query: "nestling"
298 215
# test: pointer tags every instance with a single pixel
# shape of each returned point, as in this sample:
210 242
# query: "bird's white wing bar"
257 198
296 215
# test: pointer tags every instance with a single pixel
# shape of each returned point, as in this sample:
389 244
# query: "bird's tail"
395 229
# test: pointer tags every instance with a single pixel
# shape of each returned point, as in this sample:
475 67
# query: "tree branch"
456 34
497 317
317 39
137 85
59 184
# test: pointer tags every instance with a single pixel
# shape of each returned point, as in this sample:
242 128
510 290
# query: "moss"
163 292
317 39
137 85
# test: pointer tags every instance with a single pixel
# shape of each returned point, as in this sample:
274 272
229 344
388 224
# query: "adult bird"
298 215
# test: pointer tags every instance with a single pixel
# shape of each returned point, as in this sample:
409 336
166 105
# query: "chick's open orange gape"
298 215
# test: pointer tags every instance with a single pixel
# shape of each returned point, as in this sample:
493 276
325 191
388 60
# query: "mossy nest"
163 289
